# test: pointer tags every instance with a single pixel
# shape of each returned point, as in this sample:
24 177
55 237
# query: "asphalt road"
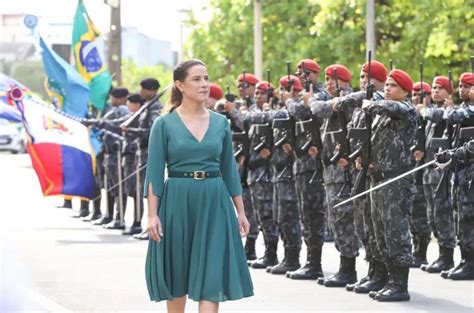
53 263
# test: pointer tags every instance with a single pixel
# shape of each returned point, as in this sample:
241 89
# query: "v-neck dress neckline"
189 131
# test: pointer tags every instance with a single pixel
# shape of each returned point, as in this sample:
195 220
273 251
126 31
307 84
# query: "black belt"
197 175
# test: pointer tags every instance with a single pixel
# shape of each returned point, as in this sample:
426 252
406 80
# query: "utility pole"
370 27
257 38
114 56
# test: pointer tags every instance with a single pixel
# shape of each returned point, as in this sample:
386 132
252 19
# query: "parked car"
12 137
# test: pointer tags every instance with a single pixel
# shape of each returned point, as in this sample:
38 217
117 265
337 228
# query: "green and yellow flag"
87 58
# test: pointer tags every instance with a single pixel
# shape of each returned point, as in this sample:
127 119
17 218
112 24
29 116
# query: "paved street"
54 263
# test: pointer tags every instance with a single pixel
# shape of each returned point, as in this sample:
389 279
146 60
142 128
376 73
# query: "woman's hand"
154 229
244 225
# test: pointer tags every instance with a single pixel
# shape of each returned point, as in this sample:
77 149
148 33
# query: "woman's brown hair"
180 73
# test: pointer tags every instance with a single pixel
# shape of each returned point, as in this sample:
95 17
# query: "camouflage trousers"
365 228
419 225
312 208
129 168
285 213
440 215
465 201
249 213
261 194
111 168
391 209
341 221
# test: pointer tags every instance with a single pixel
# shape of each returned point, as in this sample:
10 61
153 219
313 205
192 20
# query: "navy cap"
136 98
150 84
119 92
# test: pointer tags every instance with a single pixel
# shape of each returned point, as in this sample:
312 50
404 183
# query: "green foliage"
133 75
437 32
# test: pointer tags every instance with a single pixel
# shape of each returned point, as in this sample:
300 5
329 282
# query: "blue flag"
9 113
69 83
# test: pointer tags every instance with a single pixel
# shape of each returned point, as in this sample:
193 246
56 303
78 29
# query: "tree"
437 32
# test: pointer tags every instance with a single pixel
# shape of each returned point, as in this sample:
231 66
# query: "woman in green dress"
195 249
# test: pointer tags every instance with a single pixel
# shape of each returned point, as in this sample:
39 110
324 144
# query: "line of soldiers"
124 154
304 149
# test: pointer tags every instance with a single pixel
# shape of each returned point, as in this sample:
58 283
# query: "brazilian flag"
88 61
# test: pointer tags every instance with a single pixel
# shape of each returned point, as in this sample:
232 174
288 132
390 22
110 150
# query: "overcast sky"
158 19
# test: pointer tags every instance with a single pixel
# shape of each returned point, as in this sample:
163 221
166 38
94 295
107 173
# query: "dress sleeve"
229 171
157 147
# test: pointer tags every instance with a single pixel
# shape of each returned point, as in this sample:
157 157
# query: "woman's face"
196 85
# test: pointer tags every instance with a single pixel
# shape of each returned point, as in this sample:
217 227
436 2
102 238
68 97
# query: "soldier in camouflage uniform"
440 209
148 91
259 173
129 161
341 219
118 99
376 277
394 127
463 188
307 170
284 193
420 227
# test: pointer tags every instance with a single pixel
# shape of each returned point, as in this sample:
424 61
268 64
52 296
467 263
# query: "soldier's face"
438 93
133 106
195 87
415 97
363 80
393 91
261 97
464 91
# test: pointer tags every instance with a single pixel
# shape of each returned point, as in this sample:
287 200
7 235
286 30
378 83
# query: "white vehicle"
12 137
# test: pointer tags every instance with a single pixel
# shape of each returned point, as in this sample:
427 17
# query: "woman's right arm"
154 178
153 224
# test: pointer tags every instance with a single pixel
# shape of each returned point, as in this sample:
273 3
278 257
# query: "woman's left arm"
244 225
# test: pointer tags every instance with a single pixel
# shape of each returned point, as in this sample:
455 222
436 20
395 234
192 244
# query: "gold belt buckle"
199 175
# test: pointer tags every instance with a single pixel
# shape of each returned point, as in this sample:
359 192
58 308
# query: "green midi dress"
201 253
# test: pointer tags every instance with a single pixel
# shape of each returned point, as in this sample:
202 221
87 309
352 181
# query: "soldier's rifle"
143 108
307 81
466 132
420 135
242 142
290 81
365 137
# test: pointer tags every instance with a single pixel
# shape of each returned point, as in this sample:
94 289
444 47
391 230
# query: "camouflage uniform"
310 195
260 185
285 209
463 193
440 210
341 219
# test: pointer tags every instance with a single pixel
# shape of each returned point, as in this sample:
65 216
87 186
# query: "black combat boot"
84 209
465 272
443 263
270 257
67 204
446 273
370 274
110 211
118 222
312 268
378 280
250 249
290 263
397 288
96 213
346 274
419 255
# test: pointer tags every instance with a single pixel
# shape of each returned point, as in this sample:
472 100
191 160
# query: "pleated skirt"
201 253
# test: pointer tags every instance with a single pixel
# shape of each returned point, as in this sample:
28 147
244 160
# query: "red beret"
215 91
403 79
377 70
443 81
296 82
467 78
249 78
262 85
343 72
426 87
309 64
